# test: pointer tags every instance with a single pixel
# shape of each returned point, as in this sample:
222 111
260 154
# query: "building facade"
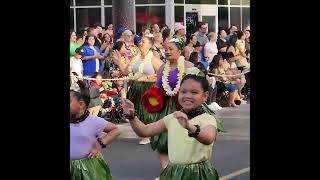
217 13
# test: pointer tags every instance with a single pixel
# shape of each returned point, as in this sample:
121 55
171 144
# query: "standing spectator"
90 58
155 28
222 43
73 43
92 32
76 62
132 50
109 29
180 32
201 34
144 30
98 31
166 36
164 26
158 49
210 49
107 43
188 49
119 53
232 31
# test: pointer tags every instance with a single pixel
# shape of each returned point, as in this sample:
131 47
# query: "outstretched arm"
139 127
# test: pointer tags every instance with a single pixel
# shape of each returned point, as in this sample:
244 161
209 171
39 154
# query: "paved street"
231 152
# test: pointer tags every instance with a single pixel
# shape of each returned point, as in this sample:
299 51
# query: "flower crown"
195 71
149 35
177 40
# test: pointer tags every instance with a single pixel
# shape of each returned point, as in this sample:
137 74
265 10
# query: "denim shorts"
231 87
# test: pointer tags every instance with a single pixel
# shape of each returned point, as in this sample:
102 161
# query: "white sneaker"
243 101
213 107
157 178
217 105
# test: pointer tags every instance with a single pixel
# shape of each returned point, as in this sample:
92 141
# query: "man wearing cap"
201 34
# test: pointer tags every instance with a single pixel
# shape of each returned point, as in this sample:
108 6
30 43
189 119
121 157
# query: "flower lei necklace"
165 79
139 73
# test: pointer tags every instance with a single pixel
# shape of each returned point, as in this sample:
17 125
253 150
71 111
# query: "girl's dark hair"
193 57
239 34
220 31
178 45
143 29
104 37
87 38
118 45
215 62
165 34
189 39
202 80
95 74
197 44
233 40
82 95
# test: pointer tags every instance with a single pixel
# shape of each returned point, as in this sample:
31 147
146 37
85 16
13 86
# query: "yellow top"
183 149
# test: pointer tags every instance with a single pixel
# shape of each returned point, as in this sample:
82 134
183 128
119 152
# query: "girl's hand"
128 107
95 151
182 119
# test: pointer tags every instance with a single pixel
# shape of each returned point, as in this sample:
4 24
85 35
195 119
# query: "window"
223 2
150 1
71 2
223 18
145 16
245 2
179 14
211 20
88 2
245 17
178 1
107 2
71 19
234 2
235 18
108 15
87 17
201 1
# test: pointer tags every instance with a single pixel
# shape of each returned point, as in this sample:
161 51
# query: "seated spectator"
204 60
188 49
194 57
230 83
95 101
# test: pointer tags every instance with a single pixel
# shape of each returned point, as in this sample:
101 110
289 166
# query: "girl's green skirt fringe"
89 169
197 171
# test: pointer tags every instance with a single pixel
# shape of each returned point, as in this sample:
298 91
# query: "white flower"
193 70
165 77
174 40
